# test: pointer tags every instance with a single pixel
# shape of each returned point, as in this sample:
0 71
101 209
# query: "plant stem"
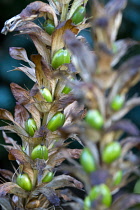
64 12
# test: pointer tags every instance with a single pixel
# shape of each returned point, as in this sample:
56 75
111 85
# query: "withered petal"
32 11
6 115
21 115
20 94
12 188
49 193
57 37
6 174
19 53
65 181
30 72
9 140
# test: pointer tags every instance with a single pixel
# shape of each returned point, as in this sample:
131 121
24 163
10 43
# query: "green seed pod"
23 148
117 103
48 178
46 94
87 161
30 126
79 15
24 182
49 26
94 119
60 57
117 178
137 187
66 90
87 203
111 152
40 152
56 121
114 48
101 191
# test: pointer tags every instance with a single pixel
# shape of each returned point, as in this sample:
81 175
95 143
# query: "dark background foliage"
8 8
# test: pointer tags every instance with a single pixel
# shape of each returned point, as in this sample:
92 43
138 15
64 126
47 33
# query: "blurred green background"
8 8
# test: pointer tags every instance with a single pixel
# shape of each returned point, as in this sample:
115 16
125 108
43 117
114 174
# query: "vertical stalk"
35 178
64 12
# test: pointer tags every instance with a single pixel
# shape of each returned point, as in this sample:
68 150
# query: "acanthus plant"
91 111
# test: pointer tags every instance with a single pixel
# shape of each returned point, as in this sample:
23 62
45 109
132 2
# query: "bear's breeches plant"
78 95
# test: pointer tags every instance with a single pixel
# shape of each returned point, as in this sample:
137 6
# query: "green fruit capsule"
137 187
94 119
30 126
87 203
56 121
117 178
114 48
23 148
60 57
118 102
49 26
66 90
46 94
40 151
101 191
24 182
79 15
48 178
111 152
87 161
